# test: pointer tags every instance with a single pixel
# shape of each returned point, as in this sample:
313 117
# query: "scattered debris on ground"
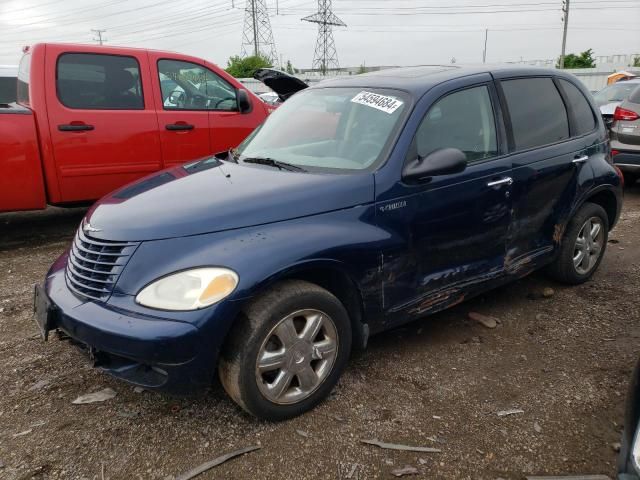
215 462
100 396
397 446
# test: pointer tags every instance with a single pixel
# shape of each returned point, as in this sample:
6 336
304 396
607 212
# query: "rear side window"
24 72
583 121
99 82
462 120
538 115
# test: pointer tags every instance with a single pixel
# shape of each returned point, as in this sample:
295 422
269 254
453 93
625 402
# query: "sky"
378 32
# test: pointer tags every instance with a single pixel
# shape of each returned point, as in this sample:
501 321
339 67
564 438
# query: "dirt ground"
439 382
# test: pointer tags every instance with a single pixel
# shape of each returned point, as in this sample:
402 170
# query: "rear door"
552 133
102 122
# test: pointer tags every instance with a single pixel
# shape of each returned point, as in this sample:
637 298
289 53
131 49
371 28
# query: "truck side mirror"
244 104
444 161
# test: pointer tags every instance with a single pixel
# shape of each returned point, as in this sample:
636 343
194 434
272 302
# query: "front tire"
583 245
287 351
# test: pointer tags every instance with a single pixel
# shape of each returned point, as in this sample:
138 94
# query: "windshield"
615 93
329 128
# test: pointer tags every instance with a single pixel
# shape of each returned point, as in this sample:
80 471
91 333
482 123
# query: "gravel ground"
438 382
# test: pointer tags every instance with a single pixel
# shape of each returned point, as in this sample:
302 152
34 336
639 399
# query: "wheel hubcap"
296 356
588 246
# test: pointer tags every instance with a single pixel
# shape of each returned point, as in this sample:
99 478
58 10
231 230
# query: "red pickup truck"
92 118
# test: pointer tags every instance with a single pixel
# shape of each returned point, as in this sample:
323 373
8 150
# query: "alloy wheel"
588 246
296 356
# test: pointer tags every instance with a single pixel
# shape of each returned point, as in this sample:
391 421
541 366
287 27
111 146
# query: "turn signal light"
625 114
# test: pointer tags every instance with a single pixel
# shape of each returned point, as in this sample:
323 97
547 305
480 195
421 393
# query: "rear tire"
287 351
583 245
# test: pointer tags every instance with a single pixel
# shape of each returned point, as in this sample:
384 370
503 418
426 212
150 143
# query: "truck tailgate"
21 182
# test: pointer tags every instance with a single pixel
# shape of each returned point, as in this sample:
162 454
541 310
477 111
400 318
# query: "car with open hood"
360 204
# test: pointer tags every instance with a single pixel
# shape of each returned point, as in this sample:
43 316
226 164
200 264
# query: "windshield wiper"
273 163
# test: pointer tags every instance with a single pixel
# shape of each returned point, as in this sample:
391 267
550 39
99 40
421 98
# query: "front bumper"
151 352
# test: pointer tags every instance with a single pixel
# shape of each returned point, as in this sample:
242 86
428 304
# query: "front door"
183 110
102 121
450 231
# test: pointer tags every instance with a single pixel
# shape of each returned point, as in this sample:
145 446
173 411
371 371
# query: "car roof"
417 80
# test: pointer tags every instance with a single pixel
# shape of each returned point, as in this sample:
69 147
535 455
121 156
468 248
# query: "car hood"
280 82
209 196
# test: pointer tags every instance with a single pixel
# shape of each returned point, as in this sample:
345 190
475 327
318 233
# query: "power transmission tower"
257 37
325 56
99 33
565 21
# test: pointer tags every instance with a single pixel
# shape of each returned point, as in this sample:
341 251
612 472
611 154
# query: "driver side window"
187 86
462 120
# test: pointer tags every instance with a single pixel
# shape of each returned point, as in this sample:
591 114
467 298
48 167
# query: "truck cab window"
187 86
99 82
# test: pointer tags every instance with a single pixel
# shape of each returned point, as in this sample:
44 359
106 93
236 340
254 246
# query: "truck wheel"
287 351
583 245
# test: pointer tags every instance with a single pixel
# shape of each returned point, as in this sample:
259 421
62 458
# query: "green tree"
290 70
362 69
245 67
583 60
636 62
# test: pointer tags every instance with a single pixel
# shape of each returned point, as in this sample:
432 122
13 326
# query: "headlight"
189 290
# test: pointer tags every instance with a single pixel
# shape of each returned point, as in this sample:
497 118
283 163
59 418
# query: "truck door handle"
75 127
502 181
179 126
581 159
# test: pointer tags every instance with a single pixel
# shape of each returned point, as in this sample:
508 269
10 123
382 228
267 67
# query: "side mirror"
244 104
444 161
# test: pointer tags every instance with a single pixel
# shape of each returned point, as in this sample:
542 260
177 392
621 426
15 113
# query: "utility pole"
325 55
565 21
484 52
257 37
99 33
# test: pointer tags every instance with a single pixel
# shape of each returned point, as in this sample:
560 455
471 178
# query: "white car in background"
613 95
8 85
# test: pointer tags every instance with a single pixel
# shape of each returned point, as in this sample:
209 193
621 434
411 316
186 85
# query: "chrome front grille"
94 265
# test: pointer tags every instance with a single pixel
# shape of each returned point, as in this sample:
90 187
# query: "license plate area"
44 312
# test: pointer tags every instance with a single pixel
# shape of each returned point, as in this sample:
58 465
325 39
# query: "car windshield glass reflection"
330 128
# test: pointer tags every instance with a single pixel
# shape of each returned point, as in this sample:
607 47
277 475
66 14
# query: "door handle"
502 181
179 126
581 159
74 128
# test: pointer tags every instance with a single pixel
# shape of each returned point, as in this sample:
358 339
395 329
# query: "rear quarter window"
583 118
537 112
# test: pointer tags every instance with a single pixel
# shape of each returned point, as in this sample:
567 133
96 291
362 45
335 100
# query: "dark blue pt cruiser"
360 204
